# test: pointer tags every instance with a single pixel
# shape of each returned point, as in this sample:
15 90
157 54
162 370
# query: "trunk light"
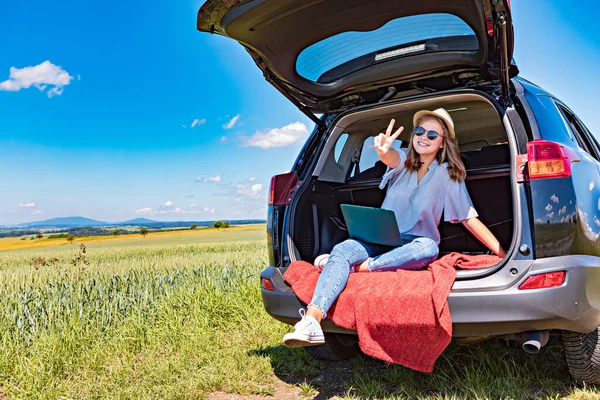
267 284
549 160
282 188
547 280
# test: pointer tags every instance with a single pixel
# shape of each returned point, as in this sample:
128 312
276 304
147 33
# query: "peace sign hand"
383 142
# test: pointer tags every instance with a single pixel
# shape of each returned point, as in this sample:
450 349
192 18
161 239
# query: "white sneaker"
307 332
320 261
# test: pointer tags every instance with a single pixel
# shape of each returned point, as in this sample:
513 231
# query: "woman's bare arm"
391 158
483 234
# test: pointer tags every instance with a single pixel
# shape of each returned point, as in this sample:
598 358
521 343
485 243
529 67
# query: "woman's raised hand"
383 142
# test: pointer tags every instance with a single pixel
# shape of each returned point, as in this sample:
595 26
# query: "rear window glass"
339 146
339 55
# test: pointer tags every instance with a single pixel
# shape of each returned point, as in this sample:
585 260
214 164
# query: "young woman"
422 182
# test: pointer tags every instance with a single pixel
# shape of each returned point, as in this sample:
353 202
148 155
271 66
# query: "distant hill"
65 222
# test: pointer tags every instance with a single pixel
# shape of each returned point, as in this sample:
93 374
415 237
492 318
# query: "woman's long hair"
450 153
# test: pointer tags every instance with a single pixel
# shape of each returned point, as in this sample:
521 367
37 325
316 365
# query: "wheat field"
183 319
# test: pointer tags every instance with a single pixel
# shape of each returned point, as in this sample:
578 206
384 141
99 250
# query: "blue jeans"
416 253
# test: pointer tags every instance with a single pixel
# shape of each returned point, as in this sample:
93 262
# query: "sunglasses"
431 135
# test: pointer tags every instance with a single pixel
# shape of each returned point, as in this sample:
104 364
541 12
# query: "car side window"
579 133
339 146
368 156
592 139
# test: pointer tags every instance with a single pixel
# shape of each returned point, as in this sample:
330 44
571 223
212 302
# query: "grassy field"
181 318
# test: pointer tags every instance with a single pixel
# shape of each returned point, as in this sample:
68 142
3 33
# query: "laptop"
372 225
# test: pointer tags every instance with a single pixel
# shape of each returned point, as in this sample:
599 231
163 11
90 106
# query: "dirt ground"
330 384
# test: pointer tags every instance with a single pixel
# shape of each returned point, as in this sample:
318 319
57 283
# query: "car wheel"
582 352
338 346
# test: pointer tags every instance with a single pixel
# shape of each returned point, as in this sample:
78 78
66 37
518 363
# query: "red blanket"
401 317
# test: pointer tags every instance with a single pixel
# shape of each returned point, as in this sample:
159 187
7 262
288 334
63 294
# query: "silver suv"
532 165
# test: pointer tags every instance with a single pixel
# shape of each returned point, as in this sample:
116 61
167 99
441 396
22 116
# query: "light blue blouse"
418 206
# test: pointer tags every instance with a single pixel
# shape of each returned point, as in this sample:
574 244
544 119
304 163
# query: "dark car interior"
319 224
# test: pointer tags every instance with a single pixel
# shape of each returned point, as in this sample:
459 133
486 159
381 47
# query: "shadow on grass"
486 370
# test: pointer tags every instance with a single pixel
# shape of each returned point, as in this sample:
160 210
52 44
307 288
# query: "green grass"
179 321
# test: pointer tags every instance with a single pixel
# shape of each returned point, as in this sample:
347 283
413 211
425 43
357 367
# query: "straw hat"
440 113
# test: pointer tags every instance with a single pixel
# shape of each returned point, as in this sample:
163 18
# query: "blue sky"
118 142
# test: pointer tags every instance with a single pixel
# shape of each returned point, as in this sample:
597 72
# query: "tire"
337 347
582 352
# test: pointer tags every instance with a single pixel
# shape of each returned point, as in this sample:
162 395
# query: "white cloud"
168 208
554 198
184 126
27 205
591 185
279 137
548 207
599 204
246 198
252 178
209 179
539 221
40 76
231 123
36 212
198 122
223 139
55 91
562 211
587 229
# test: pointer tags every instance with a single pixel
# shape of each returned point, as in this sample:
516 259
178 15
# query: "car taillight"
282 188
267 284
547 280
546 160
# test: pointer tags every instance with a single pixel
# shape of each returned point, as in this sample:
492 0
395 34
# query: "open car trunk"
348 172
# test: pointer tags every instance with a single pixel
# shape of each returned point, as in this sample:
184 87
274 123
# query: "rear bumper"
489 310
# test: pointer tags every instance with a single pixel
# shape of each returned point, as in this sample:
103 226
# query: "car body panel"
566 211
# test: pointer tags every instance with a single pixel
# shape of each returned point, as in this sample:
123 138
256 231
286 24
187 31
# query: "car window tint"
368 155
339 146
578 132
590 137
